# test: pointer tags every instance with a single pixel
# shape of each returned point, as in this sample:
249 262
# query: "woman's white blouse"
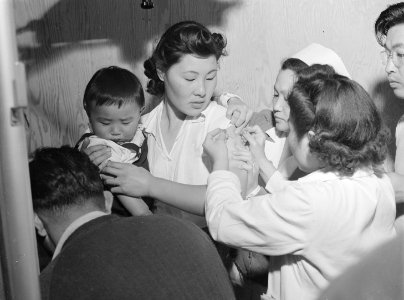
313 228
186 162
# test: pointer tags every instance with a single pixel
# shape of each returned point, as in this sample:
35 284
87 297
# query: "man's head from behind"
62 180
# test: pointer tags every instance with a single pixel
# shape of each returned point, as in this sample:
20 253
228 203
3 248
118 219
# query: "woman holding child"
183 72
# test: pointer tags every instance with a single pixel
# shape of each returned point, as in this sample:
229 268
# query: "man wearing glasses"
389 29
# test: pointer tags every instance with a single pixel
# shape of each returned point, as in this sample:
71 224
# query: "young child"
113 100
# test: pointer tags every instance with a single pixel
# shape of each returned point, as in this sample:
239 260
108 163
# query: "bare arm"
136 206
397 177
129 180
397 181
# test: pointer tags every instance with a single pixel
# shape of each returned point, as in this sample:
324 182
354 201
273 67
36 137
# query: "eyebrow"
395 46
194 72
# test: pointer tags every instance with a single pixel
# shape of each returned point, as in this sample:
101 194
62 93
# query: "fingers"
98 154
216 135
85 143
237 118
108 180
212 134
116 190
243 155
245 166
229 112
248 136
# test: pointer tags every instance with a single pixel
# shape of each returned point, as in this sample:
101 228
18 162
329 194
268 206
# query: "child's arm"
136 206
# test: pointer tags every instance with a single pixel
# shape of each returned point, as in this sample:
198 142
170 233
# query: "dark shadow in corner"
392 109
71 24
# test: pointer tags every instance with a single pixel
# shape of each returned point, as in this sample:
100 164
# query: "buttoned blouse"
186 163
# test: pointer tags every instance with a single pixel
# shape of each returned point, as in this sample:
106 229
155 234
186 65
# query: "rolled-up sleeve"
270 224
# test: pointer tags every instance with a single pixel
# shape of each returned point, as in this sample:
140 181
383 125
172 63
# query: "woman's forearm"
190 198
397 180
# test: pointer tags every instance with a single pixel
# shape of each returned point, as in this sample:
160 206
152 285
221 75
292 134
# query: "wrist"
220 164
153 181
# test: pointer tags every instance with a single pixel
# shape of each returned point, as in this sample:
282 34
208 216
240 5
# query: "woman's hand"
215 147
238 113
244 160
256 139
98 154
127 179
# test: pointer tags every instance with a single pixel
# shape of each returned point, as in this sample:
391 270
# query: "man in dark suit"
100 256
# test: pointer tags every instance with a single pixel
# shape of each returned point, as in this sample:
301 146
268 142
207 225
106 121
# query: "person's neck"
171 116
281 133
56 225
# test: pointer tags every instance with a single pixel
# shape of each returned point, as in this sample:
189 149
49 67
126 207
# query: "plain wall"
64 42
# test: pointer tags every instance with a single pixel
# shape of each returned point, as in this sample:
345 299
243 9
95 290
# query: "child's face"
115 123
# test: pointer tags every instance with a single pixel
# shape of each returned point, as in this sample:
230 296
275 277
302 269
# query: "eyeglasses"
396 57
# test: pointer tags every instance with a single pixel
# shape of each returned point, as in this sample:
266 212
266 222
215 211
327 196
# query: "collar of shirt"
326 175
138 139
151 121
271 132
73 226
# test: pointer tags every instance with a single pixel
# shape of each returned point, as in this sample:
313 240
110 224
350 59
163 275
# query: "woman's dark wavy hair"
186 37
293 64
391 16
113 86
347 128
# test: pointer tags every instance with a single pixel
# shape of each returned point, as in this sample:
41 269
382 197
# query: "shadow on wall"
86 26
71 23
391 110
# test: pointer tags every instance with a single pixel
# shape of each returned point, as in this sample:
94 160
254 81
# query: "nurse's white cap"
318 54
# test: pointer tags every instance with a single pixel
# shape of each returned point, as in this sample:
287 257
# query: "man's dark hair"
391 16
62 178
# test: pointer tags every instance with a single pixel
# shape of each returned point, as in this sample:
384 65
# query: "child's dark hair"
347 128
391 16
186 37
62 178
113 86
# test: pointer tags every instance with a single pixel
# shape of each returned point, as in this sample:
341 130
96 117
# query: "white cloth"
186 162
119 153
274 147
73 227
313 229
318 54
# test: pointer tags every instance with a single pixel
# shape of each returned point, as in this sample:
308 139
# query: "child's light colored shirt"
119 153
313 229
186 162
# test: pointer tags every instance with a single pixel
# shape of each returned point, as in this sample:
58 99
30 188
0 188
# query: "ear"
39 226
109 198
160 74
